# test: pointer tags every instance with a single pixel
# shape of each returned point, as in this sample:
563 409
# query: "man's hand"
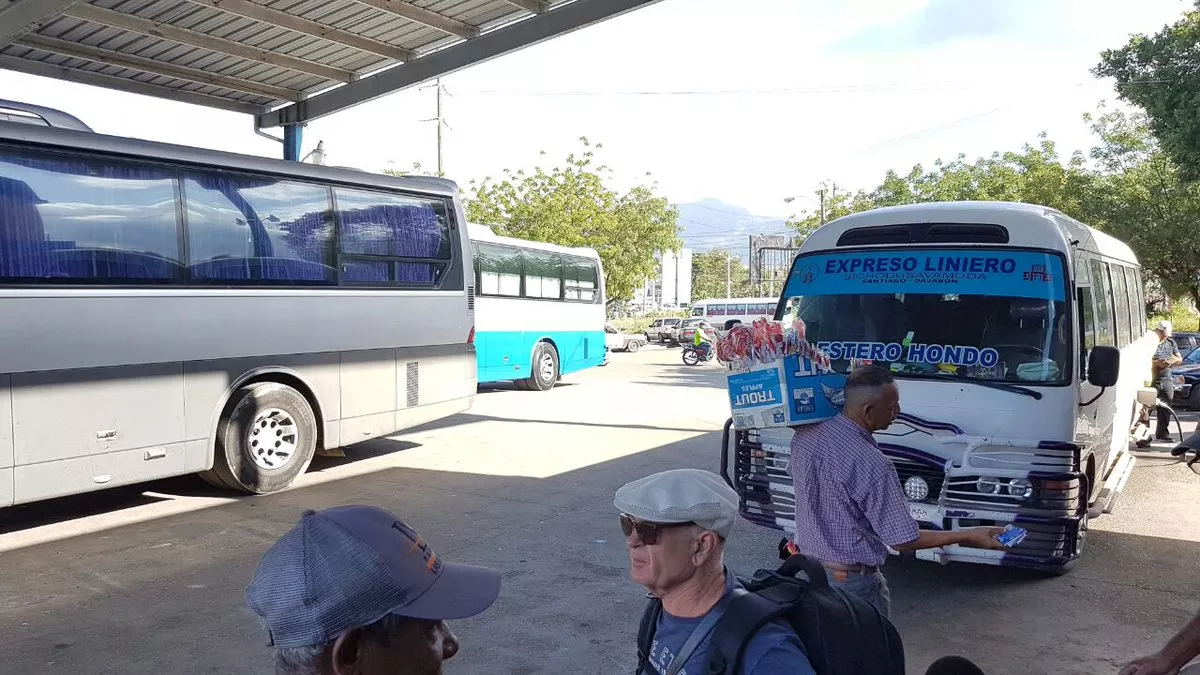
983 537
1150 665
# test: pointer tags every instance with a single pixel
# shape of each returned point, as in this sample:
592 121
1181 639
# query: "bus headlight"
1021 488
988 485
916 489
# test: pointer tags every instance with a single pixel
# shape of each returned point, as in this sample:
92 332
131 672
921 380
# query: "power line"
835 89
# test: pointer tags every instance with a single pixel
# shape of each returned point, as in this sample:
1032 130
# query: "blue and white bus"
1017 338
539 310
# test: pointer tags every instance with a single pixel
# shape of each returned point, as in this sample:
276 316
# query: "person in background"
352 590
1165 356
703 338
675 524
850 507
1176 654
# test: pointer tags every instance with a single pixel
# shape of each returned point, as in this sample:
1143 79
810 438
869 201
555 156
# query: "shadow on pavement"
566 606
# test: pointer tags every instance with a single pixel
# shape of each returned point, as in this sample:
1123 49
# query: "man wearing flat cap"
352 590
675 524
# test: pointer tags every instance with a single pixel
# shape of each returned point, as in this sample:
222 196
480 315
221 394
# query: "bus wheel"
545 368
266 438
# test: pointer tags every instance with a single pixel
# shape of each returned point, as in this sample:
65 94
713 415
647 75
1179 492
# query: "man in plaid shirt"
850 508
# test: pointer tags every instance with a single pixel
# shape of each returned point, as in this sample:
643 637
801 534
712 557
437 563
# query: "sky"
745 101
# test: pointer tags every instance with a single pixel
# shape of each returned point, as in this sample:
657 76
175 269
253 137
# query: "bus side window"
1120 304
1137 312
1102 299
543 275
581 280
499 270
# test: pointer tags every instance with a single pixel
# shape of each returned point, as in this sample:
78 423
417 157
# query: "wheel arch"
278 374
533 351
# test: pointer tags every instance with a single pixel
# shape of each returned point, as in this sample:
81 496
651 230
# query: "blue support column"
293 137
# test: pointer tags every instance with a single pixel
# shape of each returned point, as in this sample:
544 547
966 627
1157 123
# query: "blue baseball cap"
350 566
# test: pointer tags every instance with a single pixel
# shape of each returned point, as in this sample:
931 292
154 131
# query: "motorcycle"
693 355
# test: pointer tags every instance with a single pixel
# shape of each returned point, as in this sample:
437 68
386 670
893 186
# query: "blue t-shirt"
774 650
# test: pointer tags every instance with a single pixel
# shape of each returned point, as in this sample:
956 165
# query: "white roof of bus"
1028 225
734 300
479 232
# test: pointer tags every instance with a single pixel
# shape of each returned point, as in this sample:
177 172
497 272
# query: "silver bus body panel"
102 386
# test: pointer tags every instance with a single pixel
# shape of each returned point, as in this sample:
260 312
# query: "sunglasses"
647 531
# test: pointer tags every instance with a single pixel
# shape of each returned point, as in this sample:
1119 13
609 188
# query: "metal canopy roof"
284 61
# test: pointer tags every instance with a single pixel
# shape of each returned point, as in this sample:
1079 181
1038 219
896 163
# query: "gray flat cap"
681 496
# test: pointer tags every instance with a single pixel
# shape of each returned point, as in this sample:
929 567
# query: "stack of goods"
764 342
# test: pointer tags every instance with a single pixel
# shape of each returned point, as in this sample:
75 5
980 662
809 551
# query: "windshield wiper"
1002 386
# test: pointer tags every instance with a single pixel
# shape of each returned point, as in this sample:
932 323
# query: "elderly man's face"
417 647
668 562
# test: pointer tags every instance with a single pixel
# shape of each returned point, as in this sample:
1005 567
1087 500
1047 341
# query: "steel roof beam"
187 36
561 20
424 17
122 84
25 16
258 12
532 6
142 64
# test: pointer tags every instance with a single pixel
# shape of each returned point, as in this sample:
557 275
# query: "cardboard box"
783 393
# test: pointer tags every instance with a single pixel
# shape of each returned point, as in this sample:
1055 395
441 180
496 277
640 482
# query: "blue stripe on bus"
507 355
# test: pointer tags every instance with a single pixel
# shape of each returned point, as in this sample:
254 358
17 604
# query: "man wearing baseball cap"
1165 356
352 590
675 524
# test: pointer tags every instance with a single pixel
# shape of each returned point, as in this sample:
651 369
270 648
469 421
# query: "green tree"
1142 199
1134 191
710 271
571 205
1158 73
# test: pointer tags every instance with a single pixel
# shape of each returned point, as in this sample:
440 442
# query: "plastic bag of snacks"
776 377
765 341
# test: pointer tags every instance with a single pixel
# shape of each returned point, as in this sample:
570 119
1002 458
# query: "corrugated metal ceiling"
237 54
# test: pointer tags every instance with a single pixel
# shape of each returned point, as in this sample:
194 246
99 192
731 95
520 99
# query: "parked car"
667 332
653 330
616 341
1187 341
687 331
1187 377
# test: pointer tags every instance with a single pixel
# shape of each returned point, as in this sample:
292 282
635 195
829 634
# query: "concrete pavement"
150 580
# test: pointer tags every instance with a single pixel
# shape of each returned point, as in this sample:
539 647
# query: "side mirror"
1104 364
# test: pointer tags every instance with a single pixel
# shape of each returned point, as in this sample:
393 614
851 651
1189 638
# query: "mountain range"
712 223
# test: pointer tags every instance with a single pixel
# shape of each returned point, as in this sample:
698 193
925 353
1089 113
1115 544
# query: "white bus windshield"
985 315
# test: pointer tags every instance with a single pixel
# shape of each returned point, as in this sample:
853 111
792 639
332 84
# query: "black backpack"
842 633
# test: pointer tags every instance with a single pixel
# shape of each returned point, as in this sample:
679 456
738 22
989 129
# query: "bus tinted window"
581 280
1120 304
543 275
1102 297
81 220
499 270
699 310
392 239
1137 312
243 228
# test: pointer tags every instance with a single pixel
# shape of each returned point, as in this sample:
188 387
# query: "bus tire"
544 371
267 437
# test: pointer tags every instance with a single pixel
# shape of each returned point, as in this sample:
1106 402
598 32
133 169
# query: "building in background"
671 288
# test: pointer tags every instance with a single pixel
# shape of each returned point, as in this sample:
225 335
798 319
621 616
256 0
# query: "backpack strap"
646 632
745 614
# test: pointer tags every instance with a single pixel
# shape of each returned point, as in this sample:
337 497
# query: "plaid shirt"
849 504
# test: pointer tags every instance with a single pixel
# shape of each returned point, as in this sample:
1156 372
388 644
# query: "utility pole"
440 120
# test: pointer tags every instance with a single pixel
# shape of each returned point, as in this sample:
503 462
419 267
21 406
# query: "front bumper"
758 472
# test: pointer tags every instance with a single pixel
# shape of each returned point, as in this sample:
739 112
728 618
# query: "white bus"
727 313
1019 342
169 311
539 310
